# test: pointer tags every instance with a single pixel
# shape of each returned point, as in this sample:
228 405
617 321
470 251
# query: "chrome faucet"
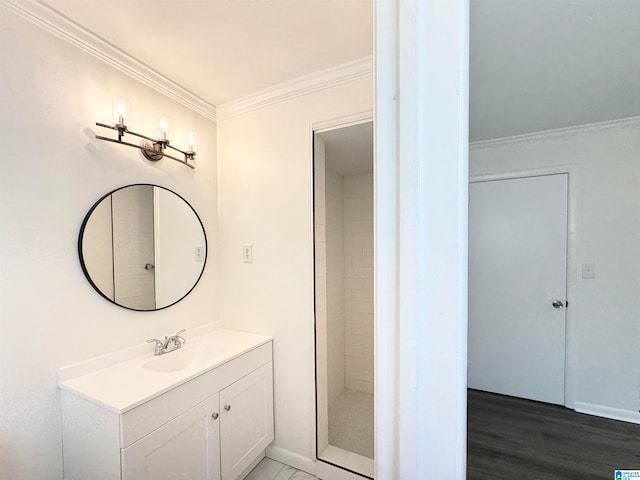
169 344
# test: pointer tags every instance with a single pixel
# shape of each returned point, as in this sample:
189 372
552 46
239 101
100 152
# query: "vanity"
203 412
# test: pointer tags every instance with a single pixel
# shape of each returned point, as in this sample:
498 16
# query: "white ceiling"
349 150
543 64
222 50
535 64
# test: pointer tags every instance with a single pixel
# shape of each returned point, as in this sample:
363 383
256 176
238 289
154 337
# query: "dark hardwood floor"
512 438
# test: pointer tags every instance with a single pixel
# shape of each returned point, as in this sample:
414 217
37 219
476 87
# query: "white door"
186 448
246 423
517 270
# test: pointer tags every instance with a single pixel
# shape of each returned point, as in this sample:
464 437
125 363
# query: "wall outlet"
198 253
247 253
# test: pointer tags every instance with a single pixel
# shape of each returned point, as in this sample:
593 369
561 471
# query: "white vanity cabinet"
217 439
215 426
186 447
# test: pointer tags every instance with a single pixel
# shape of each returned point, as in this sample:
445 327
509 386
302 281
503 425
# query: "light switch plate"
588 270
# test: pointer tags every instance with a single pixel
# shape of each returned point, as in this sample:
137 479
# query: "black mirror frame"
81 256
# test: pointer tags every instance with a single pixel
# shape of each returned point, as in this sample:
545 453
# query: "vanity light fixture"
152 148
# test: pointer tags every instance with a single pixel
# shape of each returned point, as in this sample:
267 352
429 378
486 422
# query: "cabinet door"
246 426
186 448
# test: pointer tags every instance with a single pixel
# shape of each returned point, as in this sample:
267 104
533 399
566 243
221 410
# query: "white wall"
265 185
53 171
603 354
420 289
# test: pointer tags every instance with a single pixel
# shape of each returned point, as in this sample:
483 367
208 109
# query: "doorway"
343 254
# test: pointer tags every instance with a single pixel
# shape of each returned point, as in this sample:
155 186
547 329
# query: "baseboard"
292 459
629 416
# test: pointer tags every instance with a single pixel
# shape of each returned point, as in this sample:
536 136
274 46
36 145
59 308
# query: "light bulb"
163 129
121 114
190 148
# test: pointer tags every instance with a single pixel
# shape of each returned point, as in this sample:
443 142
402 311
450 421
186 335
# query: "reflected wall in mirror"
142 247
343 221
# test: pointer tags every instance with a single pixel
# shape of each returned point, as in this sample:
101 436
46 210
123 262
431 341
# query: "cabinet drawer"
153 414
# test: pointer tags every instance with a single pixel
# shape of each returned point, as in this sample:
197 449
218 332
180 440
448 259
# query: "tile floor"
269 469
351 422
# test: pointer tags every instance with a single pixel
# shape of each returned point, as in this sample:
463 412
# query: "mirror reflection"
142 247
343 215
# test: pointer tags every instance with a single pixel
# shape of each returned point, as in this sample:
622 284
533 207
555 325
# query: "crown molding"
313 82
342 122
557 133
52 21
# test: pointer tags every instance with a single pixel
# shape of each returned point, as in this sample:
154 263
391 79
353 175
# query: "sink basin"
181 358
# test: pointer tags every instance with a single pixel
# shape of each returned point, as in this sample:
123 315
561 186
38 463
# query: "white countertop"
127 383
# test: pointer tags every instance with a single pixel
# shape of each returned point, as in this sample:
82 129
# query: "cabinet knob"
227 407
214 416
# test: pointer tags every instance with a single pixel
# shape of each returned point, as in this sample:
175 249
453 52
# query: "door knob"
214 416
227 407
558 304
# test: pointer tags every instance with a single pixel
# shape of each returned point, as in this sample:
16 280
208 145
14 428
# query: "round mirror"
142 247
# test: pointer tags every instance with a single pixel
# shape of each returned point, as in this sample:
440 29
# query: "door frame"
571 171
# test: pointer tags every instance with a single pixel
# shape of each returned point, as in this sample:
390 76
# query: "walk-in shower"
343 225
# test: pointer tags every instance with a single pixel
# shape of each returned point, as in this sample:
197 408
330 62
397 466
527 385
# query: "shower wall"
334 204
348 228
358 282
132 210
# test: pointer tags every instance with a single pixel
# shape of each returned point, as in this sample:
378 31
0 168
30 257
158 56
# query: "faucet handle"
159 345
180 339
